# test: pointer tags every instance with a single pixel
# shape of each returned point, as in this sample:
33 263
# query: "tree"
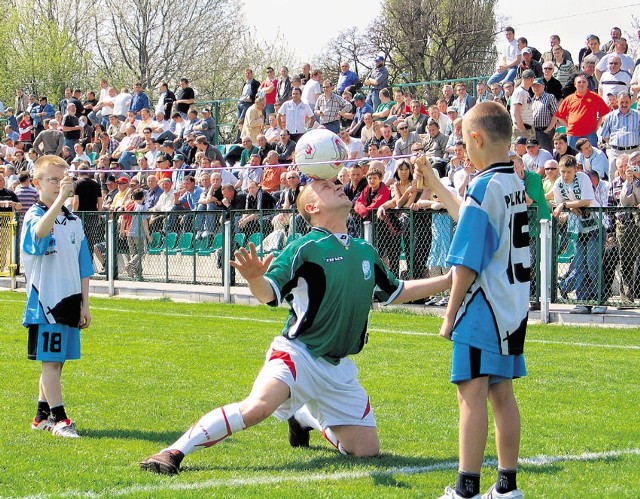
37 54
423 40
160 40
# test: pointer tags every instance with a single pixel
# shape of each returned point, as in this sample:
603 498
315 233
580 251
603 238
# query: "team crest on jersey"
366 269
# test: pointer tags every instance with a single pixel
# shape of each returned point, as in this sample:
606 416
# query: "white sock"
210 429
306 419
332 438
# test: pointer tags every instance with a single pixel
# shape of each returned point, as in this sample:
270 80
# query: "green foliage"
37 54
151 368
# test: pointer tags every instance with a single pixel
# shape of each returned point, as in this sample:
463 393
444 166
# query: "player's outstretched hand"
249 264
85 317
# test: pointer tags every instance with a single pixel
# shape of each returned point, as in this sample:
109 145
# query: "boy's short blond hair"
48 161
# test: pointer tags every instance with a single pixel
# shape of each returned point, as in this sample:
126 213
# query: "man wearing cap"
185 96
521 110
592 158
50 140
544 107
528 63
582 112
362 108
520 146
508 60
295 115
535 158
376 81
206 125
621 131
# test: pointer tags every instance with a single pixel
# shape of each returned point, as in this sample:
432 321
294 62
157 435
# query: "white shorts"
332 394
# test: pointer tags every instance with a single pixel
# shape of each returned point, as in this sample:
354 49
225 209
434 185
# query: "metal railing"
599 268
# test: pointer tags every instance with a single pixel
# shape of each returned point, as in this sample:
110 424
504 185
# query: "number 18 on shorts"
53 342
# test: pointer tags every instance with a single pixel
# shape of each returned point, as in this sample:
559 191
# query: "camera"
635 169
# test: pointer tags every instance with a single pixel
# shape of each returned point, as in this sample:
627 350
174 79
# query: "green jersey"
329 280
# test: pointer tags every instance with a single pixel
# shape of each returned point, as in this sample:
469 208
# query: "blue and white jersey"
492 239
54 266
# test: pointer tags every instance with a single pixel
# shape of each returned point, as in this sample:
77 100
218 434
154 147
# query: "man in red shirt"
582 112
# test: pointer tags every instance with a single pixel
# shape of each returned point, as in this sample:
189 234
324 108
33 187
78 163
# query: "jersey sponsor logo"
366 269
332 259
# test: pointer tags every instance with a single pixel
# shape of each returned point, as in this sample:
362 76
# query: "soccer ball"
320 153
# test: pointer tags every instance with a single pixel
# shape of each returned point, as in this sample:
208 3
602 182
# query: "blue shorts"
53 342
470 362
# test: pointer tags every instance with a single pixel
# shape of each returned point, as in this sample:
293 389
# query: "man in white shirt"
508 61
312 89
121 104
295 115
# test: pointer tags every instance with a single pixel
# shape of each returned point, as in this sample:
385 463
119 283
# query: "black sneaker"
298 436
165 462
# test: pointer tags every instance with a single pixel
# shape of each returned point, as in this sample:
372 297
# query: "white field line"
371 329
318 477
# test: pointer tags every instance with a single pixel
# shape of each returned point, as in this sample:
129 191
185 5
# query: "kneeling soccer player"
328 278
486 317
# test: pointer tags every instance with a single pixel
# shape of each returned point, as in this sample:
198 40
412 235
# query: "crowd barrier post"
545 269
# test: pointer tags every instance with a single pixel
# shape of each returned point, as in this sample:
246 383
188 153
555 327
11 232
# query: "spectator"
388 138
285 148
620 50
271 173
535 158
455 136
435 143
620 131
376 81
247 98
528 63
616 34
125 153
561 147
272 132
548 56
615 79
254 118
544 107
628 229
573 191
268 90
582 112
139 100
264 147
463 101
295 115
592 159
26 194
383 111
207 125
356 184
186 199
251 172
355 148
405 140
283 89
521 107
185 97
482 93
551 174
256 199
153 192
358 122
287 202
416 121
164 204
312 89
348 80
209 150
508 60
371 131
121 104
50 140
374 195
551 85
524 43
137 232
330 107
41 112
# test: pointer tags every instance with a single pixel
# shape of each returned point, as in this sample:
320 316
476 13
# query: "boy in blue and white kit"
486 317
57 266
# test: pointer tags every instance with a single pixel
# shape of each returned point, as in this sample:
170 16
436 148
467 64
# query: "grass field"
151 368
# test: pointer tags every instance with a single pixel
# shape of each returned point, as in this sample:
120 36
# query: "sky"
306 37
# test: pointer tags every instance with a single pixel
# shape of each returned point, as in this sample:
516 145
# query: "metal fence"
8 244
600 267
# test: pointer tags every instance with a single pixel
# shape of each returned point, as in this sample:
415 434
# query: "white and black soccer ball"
320 154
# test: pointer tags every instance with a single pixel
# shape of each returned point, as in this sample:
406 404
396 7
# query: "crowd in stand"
576 145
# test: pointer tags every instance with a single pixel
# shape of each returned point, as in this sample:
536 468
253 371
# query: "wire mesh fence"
595 254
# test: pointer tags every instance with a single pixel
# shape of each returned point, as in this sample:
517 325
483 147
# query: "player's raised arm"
253 268
421 288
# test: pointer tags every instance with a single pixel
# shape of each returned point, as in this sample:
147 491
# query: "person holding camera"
628 231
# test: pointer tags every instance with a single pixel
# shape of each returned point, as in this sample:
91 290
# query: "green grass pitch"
151 368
